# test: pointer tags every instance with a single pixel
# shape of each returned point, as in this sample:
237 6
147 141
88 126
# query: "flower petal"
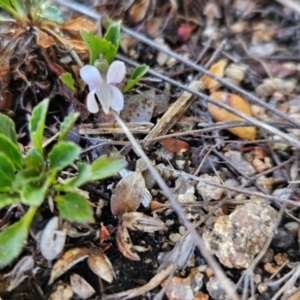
104 93
91 76
116 72
117 101
91 102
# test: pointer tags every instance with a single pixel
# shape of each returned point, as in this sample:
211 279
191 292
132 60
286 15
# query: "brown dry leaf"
77 45
79 23
142 222
5 95
70 258
43 39
62 292
174 145
153 26
217 69
100 265
125 245
81 287
138 10
139 108
128 194
238 103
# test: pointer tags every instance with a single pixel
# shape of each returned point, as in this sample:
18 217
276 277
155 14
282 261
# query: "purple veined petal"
117 100
104 93
116 72
91 102
91 76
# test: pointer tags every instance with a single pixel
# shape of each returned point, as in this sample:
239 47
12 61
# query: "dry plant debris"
223 140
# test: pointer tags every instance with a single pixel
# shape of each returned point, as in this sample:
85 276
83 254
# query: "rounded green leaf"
34 160
8 199
74 207
68 80
7 127
32 194
12 240
37 124
11 150
84 174
67 125
25 177
106 166
135 76
7 173
62 155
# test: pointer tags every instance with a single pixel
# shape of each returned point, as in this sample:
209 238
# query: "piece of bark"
173 114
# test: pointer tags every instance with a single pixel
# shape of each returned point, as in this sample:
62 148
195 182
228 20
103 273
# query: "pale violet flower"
108 94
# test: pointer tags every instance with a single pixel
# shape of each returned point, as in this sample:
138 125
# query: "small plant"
29 179
31 11
103 74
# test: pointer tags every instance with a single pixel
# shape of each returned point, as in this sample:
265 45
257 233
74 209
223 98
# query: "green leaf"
97 46
12 240
136 75
113 34
32 194
74 207
68 80
62 155
11 150
7 6
52 13
25 177
37 124
13 237
106 166
67 125
34 160
8 199
7 127
7 173
84 174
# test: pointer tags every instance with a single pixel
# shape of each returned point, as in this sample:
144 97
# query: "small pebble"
283 239
268 257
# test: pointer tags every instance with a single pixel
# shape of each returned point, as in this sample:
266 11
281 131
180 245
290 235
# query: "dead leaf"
138 11
218 70
20 272
101 265
174 145
125 245
52 239
70 258
77 45
142 222
81 287
43 39
139 108
128 194
180 254
238 103
62 292
79 23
